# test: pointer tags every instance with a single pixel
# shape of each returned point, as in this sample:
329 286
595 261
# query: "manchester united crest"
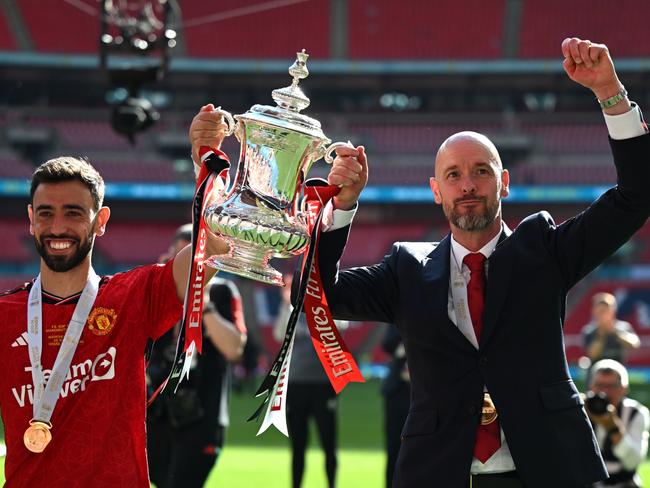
101 320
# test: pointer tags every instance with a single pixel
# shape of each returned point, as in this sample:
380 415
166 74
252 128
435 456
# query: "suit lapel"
436 277
500 266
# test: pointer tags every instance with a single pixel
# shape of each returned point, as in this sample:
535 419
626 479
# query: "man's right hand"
350 173
207 129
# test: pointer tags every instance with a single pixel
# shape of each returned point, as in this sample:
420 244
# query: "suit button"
472 410
483 361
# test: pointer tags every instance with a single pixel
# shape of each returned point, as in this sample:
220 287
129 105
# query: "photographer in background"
607 337
621 424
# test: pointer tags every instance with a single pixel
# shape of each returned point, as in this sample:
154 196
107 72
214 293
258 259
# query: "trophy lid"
292 97
290 101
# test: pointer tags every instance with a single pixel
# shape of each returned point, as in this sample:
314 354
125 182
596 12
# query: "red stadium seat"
15 237
7 41
385 29
545 24
136 243
241 29
65 28
371 242
11 167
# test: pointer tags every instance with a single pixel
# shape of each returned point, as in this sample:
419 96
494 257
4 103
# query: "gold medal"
489 411
37 436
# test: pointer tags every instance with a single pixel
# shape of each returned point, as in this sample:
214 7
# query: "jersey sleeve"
159 299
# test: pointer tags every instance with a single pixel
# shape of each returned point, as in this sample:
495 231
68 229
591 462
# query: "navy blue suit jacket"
521 356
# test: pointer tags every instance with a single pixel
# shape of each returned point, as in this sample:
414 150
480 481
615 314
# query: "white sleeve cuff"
627 125
334 219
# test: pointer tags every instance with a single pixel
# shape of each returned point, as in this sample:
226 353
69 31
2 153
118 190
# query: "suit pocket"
560 396
420 422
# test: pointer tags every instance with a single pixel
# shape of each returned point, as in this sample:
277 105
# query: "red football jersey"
98 425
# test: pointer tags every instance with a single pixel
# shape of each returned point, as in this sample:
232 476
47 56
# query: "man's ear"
30 213
102 219
433 183
505 183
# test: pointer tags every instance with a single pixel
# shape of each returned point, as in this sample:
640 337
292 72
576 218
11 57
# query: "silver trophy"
259 215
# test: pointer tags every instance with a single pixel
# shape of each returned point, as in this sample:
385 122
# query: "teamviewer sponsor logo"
104 366
80 374
21 340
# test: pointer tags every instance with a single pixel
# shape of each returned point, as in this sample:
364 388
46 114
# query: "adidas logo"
20 341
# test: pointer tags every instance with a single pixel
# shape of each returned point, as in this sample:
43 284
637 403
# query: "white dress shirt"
458 311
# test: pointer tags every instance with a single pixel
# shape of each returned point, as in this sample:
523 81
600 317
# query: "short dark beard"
61 264
473 222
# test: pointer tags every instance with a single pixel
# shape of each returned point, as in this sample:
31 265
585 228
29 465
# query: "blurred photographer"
607 337
621 424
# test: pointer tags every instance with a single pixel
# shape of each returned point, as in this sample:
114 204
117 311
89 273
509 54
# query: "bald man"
481 312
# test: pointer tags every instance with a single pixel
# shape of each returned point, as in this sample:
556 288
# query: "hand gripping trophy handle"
228 120
329 159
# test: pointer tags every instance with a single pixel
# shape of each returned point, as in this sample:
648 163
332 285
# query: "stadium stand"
543 27
568 137
82 133
15 249
51 30
383 29
237 32
136 243
6 38
14 167
371 242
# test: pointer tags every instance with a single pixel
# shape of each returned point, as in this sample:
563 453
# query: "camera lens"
597 403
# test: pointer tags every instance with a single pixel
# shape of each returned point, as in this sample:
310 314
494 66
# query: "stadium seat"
246 29
385 29
15 234
7 41
64 29
545 24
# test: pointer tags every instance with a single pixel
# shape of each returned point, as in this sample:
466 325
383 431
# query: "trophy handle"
328 152
228 119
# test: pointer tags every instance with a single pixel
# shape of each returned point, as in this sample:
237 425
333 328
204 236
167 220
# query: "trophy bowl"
259 215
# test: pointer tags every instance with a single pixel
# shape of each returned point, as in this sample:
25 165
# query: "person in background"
607 337
621 424
396 390
310 394
186 430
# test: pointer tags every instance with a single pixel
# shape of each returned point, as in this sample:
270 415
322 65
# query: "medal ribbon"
46 395
333 354
213 177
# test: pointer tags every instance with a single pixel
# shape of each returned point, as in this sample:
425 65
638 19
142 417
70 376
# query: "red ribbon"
334 355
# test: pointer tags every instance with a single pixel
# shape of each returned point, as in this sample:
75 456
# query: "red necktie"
488 437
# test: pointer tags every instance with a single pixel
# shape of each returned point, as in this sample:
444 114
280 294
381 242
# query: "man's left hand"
591 65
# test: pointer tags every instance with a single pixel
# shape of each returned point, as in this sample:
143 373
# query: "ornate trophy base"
248 261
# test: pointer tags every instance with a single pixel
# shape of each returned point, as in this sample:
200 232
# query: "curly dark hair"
68 168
